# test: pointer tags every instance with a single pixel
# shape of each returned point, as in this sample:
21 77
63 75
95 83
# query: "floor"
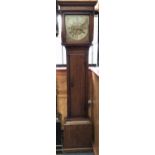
88 153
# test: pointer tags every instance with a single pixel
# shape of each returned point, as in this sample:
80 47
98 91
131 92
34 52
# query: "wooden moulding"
77 5
78 2
77 8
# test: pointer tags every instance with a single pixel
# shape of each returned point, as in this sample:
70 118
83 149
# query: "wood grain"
61 78
77 134
77 82
93 108
95 111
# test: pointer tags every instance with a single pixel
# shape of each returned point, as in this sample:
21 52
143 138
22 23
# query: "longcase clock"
77 36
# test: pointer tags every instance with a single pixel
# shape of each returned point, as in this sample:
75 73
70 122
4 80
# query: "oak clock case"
77 36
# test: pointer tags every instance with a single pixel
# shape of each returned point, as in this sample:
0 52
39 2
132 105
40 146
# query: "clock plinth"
77 36
77 135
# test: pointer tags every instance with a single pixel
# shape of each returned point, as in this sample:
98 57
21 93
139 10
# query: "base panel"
77 135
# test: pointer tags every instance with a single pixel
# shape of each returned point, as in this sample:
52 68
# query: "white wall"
27 77
127 85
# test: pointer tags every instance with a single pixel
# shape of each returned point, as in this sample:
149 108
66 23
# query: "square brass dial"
77 28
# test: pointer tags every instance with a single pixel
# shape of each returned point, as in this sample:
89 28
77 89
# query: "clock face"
77 28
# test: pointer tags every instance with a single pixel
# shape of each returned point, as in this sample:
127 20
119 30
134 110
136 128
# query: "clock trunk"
77 77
